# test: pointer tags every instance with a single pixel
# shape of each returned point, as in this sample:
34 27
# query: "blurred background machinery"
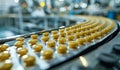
21 16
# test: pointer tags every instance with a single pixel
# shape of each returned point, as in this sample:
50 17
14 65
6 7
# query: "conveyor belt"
55 47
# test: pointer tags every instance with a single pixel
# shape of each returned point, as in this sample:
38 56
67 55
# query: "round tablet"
87 32
4 56
29 60
109 28
22 51
73 44
68 33
92 31
80 41
47 54
67 29
61 30
77 35
62 49
74 31
62 40
83 28
81 33
70 37
106 30
20 39
46 34
51 43
3 47
37 47
19 44
45 38
94 36
99 34
62 34
54 32
79 30
34 36
55 36
103 32
33 41
7 65
88 38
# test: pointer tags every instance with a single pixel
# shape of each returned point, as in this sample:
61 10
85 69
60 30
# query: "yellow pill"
22 51
29 60
73 44
34 36
47 54
51 44
62 40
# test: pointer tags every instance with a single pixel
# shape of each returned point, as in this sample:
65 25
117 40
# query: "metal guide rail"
48 49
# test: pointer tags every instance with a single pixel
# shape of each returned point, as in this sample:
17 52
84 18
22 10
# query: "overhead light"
16 1
61 0
83 5
76 5
42 4
62 9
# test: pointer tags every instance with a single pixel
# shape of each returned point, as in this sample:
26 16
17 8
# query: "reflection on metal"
62 27
83 61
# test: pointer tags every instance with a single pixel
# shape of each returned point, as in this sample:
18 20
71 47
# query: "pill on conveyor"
46 34
87 32
81 33
94 36
51 43
105 31
92 31
79 30
73 44
54 32
20 39
77 35
62 40
109 28
67 29
33 42
68 32
55 36
70 37
72 27
47 54
62 34
80 41
4 56
74 31
7 65
62 49
3 47
99 34
29 60
45 38
22 51
34 36
19 44
88 38
37 47
61 30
